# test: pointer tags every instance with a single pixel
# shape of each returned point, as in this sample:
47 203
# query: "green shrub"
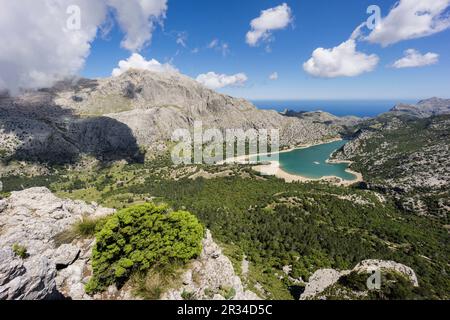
355 281
228 293
88 226
396 286
187 295
158 280
84 228
20 251
136 238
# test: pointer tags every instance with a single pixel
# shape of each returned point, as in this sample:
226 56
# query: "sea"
359 108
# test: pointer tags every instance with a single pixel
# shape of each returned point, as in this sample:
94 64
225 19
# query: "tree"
140 236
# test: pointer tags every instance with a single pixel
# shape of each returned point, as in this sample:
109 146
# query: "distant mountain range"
423 109
112 118
324 117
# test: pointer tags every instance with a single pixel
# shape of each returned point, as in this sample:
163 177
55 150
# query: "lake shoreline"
273 167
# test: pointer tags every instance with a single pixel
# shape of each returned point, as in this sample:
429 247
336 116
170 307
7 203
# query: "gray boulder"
214 277
32 218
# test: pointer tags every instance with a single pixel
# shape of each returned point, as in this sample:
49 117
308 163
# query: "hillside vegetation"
406 157
273 224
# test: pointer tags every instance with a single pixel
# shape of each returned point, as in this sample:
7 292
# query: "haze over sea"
360 108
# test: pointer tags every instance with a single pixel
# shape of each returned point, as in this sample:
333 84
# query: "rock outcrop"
370 265
319 281
325 278
31 219
424 108
34 219
211 276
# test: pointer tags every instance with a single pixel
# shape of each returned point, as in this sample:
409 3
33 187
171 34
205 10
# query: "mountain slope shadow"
33 128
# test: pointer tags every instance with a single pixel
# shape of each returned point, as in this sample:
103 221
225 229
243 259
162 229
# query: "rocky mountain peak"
424 108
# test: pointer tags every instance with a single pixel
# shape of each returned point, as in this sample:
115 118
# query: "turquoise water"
311 162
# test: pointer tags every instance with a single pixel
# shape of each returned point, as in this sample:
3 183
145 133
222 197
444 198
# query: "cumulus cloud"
137 19
213 80
341 61
410 19
136 61
43 48
274 76
414 58
269 20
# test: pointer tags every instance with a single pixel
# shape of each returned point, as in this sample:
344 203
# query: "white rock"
319 281
370 265
213 273
32 218
65 255
3 205
30 279
325 278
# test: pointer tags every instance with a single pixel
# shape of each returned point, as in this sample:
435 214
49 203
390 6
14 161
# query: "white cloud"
411 19
213 44
136 61
213 80
41 49
414 58
269 20
137 18
274 76
341 61
182 39
220 46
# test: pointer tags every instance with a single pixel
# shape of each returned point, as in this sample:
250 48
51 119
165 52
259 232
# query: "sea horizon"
337 107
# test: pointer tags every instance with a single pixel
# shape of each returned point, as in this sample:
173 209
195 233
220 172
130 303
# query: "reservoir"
312 162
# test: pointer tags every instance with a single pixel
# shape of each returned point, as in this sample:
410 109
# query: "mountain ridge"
424 108
137 108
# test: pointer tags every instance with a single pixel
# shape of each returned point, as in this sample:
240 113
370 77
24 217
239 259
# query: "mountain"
154 104
424 108
33 128
113 117
324 118
406 157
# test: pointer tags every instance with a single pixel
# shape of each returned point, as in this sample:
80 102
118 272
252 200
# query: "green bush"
228 293
136 238
187 295
355 281
395 286
20 251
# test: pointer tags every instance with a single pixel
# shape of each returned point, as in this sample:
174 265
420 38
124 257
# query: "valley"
289 235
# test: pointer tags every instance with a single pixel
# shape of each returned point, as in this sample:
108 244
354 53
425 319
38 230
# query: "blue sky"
318 23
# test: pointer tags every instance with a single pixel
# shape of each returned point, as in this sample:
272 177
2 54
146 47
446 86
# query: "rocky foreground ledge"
32 219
